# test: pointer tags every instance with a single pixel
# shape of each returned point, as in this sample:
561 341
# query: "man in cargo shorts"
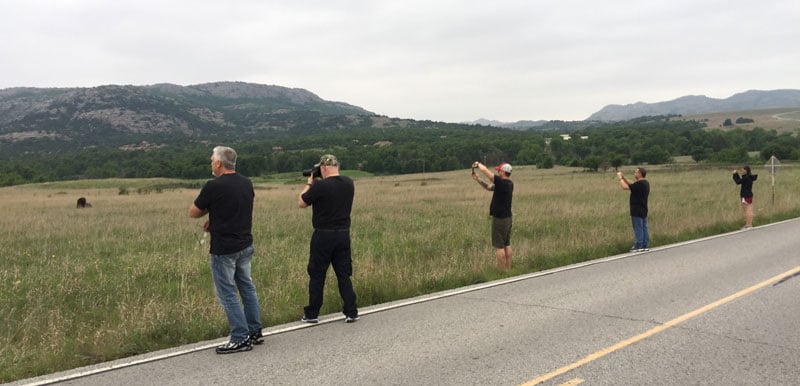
499 209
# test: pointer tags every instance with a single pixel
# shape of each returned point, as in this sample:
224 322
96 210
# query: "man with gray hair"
228 201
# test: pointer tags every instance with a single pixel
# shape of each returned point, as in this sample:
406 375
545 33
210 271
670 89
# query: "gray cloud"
441 60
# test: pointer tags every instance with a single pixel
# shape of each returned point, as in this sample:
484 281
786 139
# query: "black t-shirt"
501 199
640 190
229 200
331 200
747 184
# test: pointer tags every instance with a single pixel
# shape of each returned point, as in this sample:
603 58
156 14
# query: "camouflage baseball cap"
328 160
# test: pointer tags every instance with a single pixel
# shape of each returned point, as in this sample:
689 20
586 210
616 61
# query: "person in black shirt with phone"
500 209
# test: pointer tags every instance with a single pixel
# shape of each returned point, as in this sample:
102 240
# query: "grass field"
782 120
130 275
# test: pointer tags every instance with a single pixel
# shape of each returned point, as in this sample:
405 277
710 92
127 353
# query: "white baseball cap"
504 167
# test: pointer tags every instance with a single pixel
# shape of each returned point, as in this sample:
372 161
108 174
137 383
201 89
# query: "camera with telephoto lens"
313 171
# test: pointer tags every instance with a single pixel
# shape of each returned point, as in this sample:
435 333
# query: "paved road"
717 311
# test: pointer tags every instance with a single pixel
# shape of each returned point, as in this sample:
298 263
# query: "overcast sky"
443 60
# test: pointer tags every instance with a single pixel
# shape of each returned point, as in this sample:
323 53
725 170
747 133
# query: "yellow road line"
572 382
656 330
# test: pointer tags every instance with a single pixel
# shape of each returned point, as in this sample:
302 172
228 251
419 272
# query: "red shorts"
747 200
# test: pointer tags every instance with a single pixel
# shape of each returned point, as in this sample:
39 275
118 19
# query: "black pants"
330 247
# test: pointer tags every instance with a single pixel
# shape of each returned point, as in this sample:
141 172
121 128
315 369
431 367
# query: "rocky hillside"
116 115
699 104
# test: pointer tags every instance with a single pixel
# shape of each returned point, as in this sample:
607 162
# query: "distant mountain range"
52 119
540 125
34 120
510 125
686 105
699 104
49 112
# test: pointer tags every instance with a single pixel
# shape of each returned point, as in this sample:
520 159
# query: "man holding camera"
228 201
500 209
331 199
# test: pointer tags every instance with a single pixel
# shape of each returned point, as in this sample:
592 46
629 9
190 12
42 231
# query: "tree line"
425 148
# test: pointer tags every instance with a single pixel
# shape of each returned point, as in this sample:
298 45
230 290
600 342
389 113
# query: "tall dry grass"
131 275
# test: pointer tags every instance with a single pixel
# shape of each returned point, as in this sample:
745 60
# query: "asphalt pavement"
717 311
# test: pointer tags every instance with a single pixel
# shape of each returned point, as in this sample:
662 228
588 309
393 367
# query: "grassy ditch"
130 275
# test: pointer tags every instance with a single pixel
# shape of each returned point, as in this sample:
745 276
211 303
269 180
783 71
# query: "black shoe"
306 319
351 319
232 347
256 337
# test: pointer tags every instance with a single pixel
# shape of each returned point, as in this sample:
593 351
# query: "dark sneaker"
256 337
232 347
306 319
351 319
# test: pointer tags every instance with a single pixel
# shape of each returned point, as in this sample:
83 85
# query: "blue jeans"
640 232
232 272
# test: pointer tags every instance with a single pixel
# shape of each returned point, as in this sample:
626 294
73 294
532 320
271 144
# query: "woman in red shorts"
746 180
